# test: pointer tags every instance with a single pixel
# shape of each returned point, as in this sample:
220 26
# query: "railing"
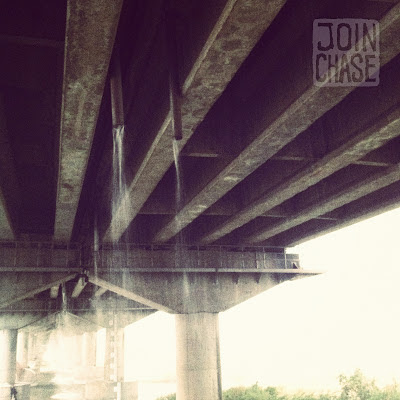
33 255
46 255
133 256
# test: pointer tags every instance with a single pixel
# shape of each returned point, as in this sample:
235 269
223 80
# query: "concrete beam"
191 292
360 210
54 291
354 192
9 192
215 66
90 33
15 287
386 128
78 288
100 292
31 41
122 291
302 113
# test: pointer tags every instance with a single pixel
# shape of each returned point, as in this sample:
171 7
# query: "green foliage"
169 397
354 387
254 392
357 387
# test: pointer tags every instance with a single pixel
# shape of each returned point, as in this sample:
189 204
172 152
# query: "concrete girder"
31 41
369 139
100 292
9 194
15 287
114 286
183 293
357 190
215 66
357 211
78 288
90 33
54 291
309 106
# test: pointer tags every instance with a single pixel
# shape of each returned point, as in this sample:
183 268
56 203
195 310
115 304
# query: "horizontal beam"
162 260
309 106
90 33
54 291
356 191
31 41
215 66
192 292
358 211
100 292
288 271
386 128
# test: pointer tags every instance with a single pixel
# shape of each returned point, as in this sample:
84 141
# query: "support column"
8 365
77 350
198 366
22 349
89 349
114 355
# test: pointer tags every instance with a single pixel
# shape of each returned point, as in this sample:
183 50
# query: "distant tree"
358 387
353 387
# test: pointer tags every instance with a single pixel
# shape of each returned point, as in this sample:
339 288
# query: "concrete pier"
8 366
23 349
198 366
89 349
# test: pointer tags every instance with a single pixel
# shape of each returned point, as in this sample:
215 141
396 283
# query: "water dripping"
179 256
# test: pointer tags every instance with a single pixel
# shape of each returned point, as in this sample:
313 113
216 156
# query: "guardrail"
46 255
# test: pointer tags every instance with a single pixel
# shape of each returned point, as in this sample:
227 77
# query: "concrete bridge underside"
115 287
267 160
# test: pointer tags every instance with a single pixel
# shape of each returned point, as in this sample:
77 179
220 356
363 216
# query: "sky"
302 334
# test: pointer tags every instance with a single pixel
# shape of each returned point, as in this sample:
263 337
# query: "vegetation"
354 387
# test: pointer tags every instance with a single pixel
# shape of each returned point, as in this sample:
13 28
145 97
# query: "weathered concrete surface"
387 128
89 349
198 366
9 193
23 349
356 191
8 365
357 213
15 287
114 355
309 106
238 29
190 293
90 34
